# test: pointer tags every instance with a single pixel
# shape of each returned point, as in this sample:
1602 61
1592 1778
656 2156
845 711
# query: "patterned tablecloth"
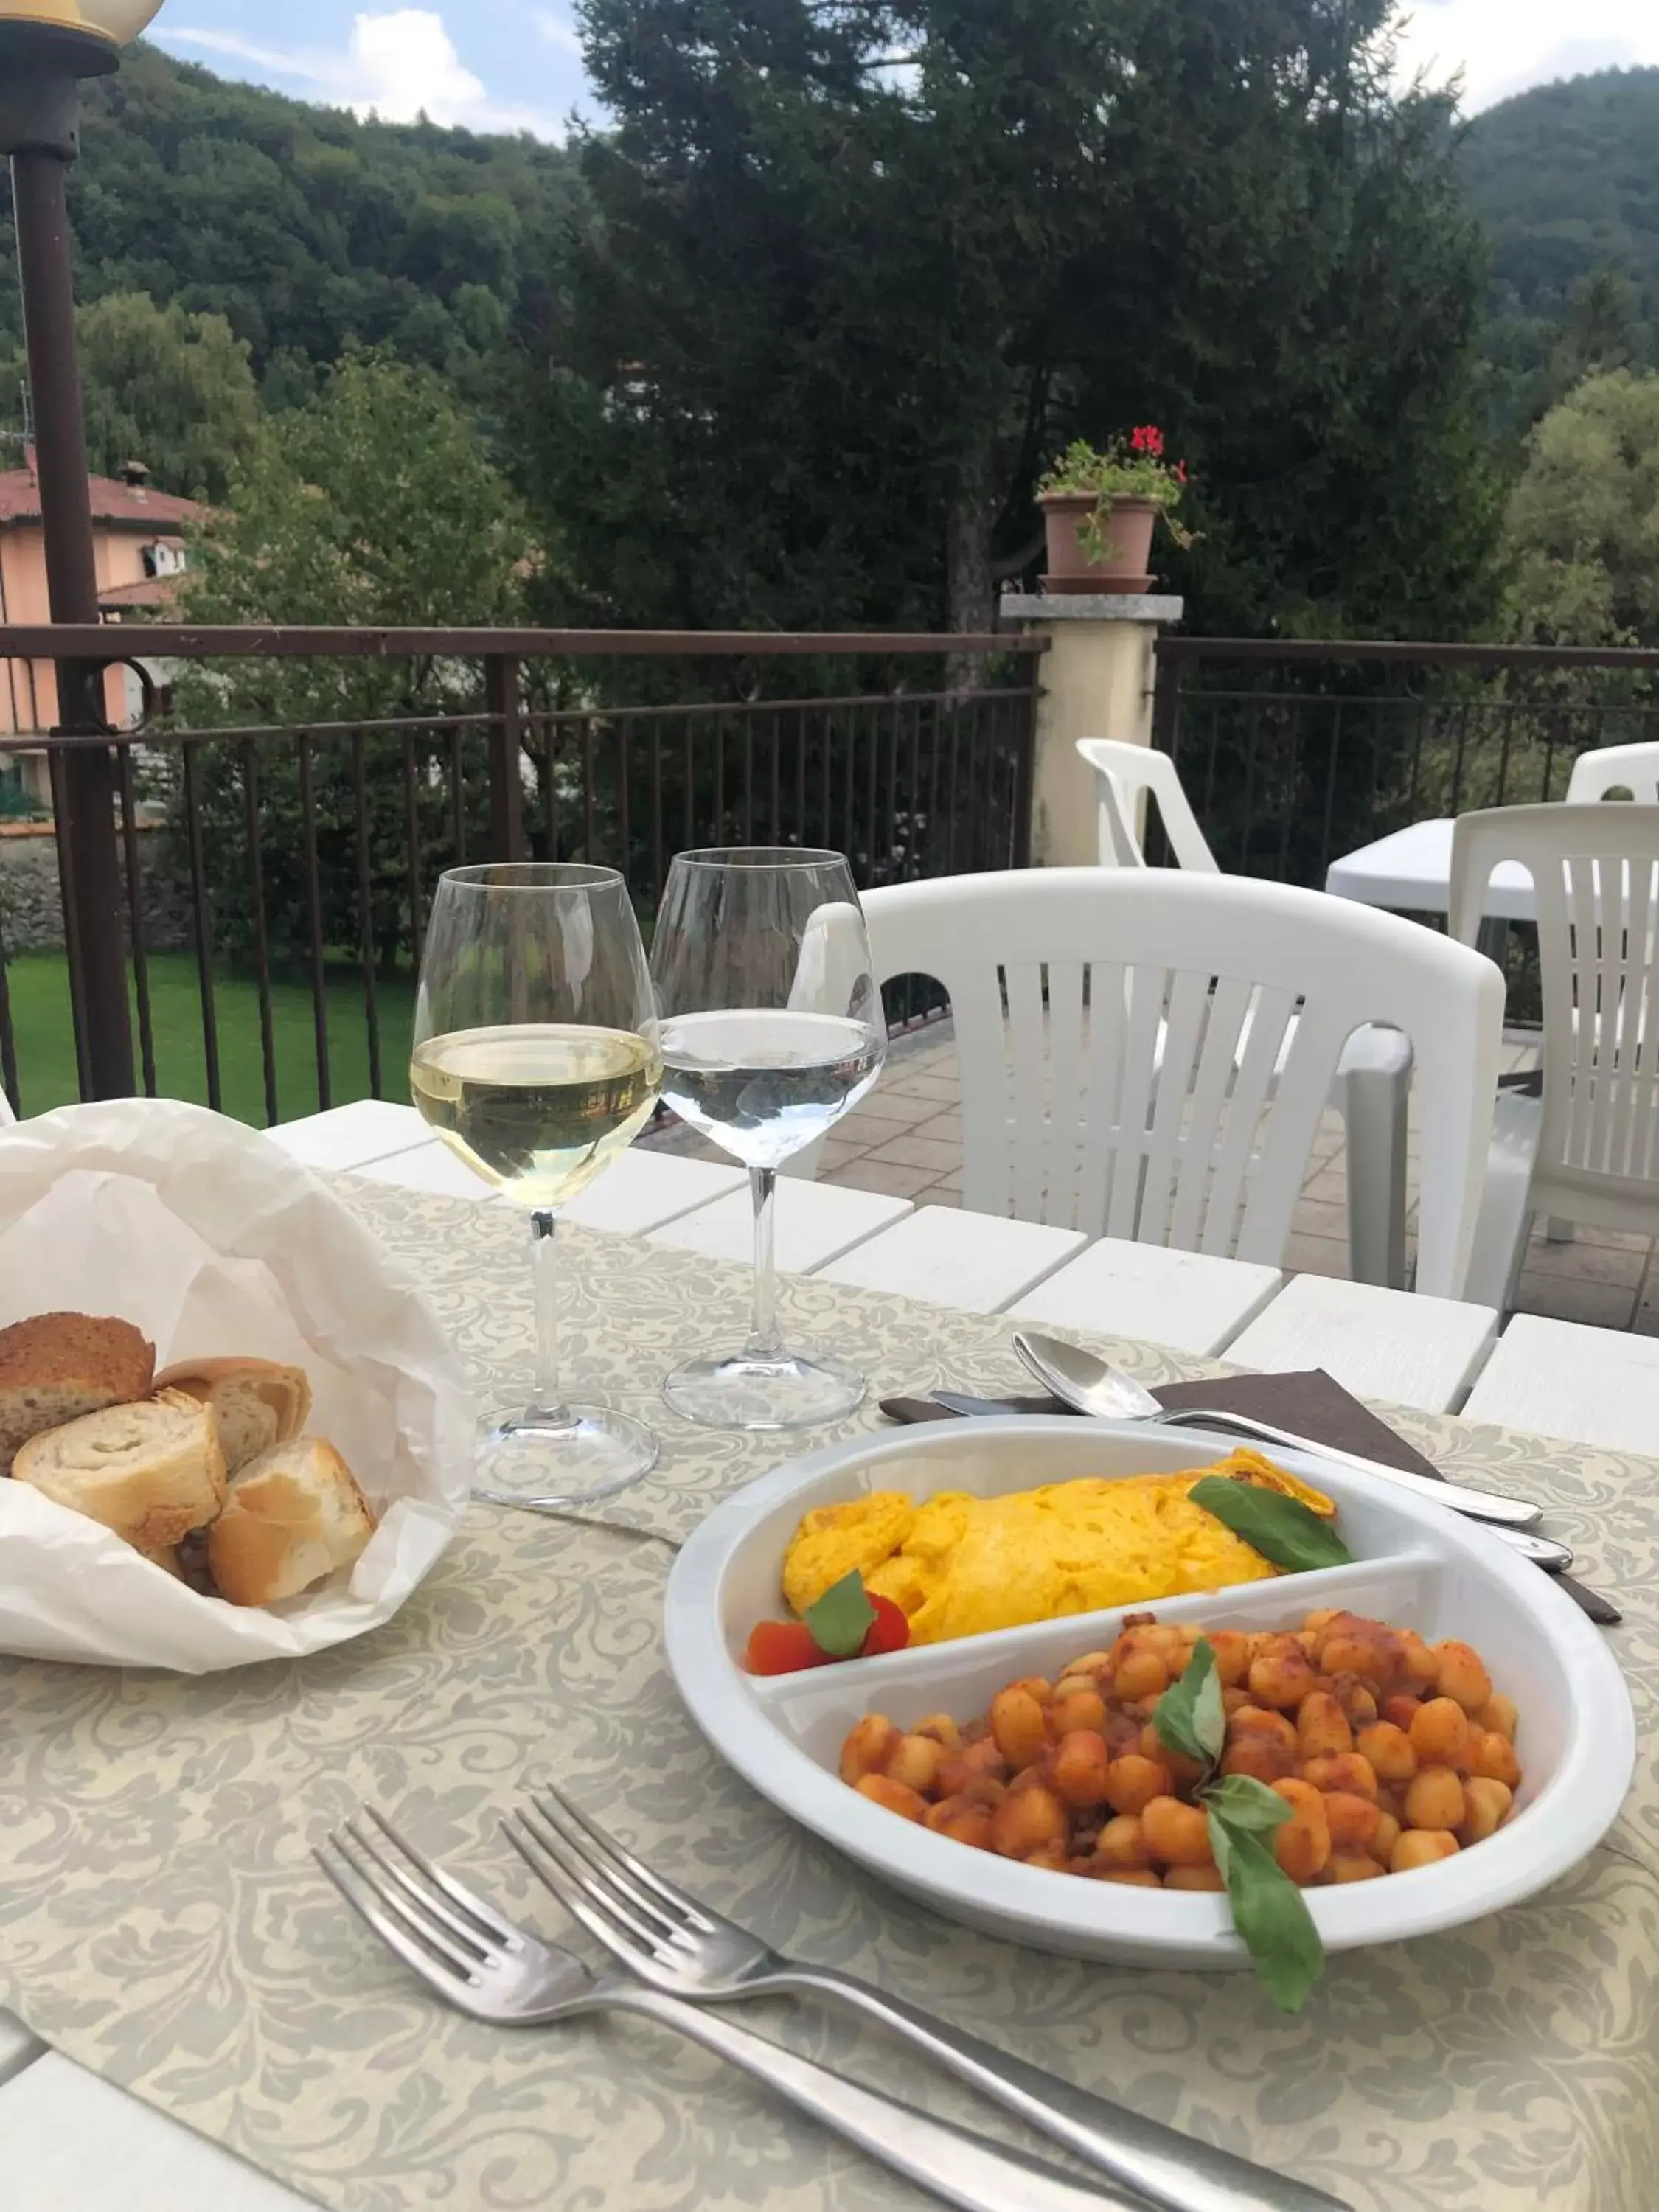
162 1922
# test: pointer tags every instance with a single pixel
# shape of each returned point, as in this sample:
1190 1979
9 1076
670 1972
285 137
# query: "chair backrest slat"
1068 1018
1099 1104
1022 984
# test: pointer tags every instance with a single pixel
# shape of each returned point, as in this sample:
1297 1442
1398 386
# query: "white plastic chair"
1125 775
1063 980
1372 1086
1588 1149
1634 768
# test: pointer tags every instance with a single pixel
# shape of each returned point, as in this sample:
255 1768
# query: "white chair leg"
1504 1221
1374 1110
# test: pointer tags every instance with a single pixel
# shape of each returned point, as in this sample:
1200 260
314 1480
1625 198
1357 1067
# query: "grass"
39 985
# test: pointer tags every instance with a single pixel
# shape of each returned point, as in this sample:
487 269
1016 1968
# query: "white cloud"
1501 46
398 65
558 30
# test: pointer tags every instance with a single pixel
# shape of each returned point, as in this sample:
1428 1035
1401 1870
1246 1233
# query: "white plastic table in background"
1409 872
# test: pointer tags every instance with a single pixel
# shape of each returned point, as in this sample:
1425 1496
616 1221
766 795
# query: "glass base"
527 1461
796 1390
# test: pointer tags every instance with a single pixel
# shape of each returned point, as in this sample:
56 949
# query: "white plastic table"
1409 872
69 2142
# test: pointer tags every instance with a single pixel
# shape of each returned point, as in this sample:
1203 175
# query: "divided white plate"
1415 1564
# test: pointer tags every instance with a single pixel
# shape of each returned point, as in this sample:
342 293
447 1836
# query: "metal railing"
274 876
1294 752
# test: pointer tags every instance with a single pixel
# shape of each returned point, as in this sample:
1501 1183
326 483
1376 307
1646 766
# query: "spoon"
1080 1379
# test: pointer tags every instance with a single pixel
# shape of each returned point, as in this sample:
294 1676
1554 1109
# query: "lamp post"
46 47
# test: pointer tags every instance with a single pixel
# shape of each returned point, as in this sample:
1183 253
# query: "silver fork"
677 1945
478 1961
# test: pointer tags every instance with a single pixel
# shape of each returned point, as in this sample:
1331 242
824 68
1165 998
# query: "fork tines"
619 1901
434 1924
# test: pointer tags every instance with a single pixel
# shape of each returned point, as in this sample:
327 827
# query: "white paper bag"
207 1238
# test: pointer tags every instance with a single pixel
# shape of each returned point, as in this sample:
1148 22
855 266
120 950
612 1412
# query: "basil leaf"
1283 1529
1270 1913
1189 1716
1243 1803
841 1618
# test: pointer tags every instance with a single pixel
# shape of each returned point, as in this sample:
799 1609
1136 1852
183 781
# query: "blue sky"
493 64
514 65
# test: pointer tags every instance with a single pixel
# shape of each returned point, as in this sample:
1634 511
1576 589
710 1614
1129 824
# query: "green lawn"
39 983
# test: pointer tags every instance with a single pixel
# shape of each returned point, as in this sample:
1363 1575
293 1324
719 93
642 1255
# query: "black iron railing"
274 876
1294 753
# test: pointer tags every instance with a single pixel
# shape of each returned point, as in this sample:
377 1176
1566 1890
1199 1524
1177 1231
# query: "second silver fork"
674 1943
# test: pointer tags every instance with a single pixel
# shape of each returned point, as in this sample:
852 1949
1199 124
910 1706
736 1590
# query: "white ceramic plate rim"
1577 1805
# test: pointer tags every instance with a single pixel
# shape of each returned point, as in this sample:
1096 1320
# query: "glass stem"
764 1341
549 1410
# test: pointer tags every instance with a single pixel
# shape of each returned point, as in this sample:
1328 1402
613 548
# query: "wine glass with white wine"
772 1029
538 1059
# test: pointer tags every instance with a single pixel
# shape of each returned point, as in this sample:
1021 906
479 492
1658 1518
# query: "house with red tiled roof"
138 534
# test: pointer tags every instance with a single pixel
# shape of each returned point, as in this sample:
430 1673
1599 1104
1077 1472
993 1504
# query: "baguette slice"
151 1472
256 1403
291 1518
58 1366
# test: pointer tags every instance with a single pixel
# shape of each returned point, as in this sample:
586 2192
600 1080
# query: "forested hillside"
304 229
1566 181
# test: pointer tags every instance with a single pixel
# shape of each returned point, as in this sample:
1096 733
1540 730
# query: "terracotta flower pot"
1128 534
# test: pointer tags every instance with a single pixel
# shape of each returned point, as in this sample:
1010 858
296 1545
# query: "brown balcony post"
38 133
506 770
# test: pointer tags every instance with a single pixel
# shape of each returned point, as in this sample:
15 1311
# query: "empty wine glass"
537 1059
772 1029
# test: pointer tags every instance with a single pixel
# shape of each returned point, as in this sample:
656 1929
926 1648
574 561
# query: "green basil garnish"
1283 1529
1243 1803
1189 1716
841 1618
1268 1909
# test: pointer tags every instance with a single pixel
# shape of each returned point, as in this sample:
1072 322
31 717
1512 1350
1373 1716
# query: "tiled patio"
906 1139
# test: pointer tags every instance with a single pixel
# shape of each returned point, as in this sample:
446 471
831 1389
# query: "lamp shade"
117 20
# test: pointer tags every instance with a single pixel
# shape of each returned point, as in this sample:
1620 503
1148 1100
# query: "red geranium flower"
1147 438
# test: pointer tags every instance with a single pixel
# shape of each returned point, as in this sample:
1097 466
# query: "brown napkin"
1310 1402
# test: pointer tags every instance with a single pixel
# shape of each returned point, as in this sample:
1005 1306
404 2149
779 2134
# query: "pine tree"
861 268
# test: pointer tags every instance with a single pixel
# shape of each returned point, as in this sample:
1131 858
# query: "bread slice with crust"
256 1403
291 1518
57 1366
151 1471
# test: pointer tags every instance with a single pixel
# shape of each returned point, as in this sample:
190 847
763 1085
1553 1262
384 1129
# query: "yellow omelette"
961 1565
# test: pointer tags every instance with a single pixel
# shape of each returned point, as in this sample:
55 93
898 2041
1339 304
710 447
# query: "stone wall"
31 910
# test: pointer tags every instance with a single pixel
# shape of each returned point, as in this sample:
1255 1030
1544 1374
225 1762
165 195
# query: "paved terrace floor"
905 1139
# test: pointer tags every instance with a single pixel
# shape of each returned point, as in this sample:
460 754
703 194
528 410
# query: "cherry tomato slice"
782 1647
889 1632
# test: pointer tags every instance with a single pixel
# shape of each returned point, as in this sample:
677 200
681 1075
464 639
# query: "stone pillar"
1096 681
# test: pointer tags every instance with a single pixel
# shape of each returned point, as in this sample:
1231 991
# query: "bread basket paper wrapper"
207 1238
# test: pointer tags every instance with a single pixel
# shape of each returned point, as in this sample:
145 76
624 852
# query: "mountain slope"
1566 181
307 228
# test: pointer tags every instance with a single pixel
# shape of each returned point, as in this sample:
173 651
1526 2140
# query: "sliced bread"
57 1366
256 1403
151 1471
291 1518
